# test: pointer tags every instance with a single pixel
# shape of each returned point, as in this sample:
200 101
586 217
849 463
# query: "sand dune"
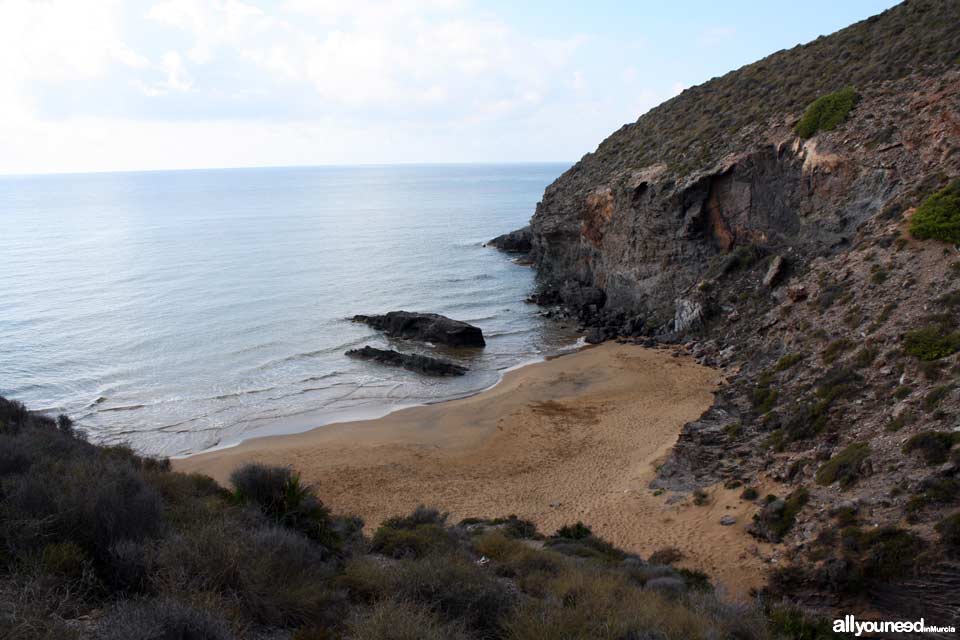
574 438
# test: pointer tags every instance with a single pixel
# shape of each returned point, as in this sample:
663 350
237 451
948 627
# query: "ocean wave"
128 407
237 394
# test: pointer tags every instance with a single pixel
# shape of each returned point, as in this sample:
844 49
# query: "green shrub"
934 446
835 349
931 343
750 493
949 530
416 542
420 515
456 589
938 217
787 361
864 357
162 619
391 619
933 398
511 526
791 621
826 112
844 467
884 553
792 506
578 531
65 558
578 540
934 491
280 494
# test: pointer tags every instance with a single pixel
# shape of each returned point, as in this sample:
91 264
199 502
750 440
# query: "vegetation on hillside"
938 217
701 125
98 542
826 112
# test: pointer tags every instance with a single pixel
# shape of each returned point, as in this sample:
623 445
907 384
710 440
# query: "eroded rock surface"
426 327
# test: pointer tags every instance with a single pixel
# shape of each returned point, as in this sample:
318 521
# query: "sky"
112 85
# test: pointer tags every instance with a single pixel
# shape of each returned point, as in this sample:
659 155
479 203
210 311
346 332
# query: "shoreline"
378 412
575 437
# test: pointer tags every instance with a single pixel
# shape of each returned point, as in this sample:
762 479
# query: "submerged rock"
519 241
429 327
412 361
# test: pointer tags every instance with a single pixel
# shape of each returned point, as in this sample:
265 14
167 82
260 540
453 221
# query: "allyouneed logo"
849 624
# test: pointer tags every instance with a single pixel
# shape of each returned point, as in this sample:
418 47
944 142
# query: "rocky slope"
710 223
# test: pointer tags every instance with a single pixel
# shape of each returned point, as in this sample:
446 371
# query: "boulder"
688 315
411 361
774 272
519 241
430 327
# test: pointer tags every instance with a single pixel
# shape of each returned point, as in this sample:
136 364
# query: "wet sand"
574 438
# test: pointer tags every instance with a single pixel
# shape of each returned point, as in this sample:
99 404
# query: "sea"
180 311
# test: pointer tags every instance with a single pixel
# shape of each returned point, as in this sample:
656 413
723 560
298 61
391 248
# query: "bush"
366 579
787 361
456 589
884 553
845 466
278 576
65 558
938 217
835 349
933 398
931 343
396 620
579 541
281 495
578 531
750 493
93 503
826 112
416 542
162 619
949 530
511 526
421 515
934 446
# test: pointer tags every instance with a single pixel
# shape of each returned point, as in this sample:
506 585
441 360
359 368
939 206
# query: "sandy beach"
574 438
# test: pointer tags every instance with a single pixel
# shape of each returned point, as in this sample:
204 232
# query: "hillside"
97 542
792 262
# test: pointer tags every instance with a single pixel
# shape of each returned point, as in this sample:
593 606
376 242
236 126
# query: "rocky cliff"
785 260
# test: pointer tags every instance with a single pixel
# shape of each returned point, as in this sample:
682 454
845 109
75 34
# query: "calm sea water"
178 311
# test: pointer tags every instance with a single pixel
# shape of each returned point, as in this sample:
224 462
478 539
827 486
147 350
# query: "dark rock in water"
430 327
412 361
519 241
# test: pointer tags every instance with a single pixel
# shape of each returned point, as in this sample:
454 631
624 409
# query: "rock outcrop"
519 241
709 223
427 327
411 361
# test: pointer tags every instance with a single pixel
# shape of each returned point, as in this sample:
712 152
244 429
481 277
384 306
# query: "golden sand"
573 438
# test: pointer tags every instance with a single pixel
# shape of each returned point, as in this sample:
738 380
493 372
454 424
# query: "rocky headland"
774 222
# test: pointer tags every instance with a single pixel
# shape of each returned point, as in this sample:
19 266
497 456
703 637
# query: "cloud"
376 80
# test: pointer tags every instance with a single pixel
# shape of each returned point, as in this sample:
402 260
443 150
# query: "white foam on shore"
314 420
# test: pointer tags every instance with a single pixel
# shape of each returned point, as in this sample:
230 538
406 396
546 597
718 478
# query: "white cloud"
217 82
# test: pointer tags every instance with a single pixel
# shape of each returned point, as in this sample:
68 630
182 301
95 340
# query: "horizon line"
359 165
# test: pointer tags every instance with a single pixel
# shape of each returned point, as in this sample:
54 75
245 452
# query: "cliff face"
718 167
787 262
